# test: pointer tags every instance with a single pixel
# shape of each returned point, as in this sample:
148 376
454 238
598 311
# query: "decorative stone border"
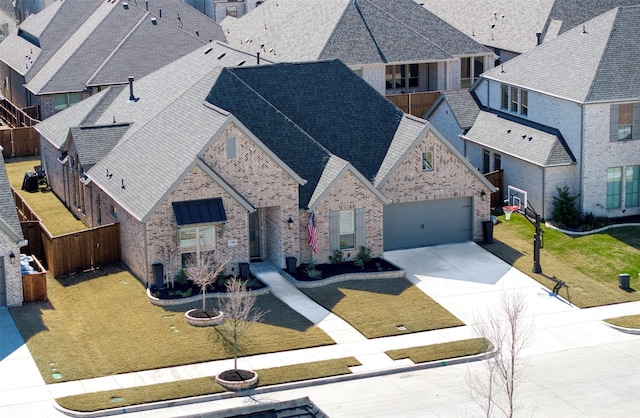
191 299
237 385
203 322
344 277
593 231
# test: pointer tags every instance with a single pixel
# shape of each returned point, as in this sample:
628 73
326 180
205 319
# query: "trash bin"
623 281
291 264
487 232
158 274
244 270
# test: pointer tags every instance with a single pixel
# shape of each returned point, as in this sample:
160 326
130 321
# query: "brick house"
11 239
232 157
565 113
74 48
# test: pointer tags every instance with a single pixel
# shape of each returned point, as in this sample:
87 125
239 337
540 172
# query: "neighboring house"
567 113
396 46
25 8
74 48
8 18
453 114
236 160
11 239
220 9
512 27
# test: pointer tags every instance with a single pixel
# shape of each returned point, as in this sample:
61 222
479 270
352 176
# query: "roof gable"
283 119
94 142
596 61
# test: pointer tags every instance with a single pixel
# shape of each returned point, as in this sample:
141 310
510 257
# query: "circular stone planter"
237 379
200 318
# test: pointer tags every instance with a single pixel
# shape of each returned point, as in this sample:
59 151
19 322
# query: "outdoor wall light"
290 222
483 195
12 258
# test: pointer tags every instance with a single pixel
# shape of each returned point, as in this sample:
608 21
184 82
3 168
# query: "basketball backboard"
517 197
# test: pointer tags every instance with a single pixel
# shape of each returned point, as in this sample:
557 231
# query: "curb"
210 295
275 388
633 331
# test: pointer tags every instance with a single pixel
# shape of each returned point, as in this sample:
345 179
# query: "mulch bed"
179 291
328 270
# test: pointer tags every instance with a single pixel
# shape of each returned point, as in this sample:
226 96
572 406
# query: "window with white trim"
427 161
514 99
196 242
402 76
347 229
470 70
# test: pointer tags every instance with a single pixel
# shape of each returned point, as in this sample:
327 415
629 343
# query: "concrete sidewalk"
464 278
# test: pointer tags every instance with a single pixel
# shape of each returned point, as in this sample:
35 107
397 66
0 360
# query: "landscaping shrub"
565 212
337 257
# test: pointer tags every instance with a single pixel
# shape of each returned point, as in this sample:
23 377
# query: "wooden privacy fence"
497 179
16 117
416 104
83 250
19 142
68 253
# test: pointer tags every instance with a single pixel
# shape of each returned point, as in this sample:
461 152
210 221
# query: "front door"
254 234
3 284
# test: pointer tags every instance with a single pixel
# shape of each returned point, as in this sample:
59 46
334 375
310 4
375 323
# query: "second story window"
625 122
514 99
403 76
470 70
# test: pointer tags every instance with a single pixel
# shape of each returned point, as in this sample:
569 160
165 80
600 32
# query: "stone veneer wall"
450 178
349 193
12 273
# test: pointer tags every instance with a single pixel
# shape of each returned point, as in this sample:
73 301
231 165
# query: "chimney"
539 37
132 98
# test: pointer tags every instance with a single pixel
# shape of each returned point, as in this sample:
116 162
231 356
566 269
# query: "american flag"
313 233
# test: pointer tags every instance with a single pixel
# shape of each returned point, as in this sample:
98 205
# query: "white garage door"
420 224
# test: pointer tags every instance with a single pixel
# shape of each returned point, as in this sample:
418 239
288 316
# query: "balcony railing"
16 117
416 104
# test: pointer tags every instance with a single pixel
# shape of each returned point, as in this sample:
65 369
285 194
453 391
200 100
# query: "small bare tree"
204 271
510 334
240 313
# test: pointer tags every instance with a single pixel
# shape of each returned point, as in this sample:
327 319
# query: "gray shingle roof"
572 13
362 32
281 117
94 142
464 107
601 64
538 145
512 28
9 222
100 43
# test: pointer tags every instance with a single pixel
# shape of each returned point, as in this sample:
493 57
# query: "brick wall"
348 193
13 276
450 178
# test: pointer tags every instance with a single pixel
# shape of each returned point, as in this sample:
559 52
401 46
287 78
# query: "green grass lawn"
589 264
442 351
103 325
54 215
383 307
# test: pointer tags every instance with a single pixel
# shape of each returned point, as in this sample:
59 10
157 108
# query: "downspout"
581 163
544 200
146 255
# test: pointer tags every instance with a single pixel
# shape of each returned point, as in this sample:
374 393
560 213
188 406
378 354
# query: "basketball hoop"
508 210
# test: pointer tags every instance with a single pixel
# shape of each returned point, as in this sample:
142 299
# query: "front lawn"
99 324
589 264
383 307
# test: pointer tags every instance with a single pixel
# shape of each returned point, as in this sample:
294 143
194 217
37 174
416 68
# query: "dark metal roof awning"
199 211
